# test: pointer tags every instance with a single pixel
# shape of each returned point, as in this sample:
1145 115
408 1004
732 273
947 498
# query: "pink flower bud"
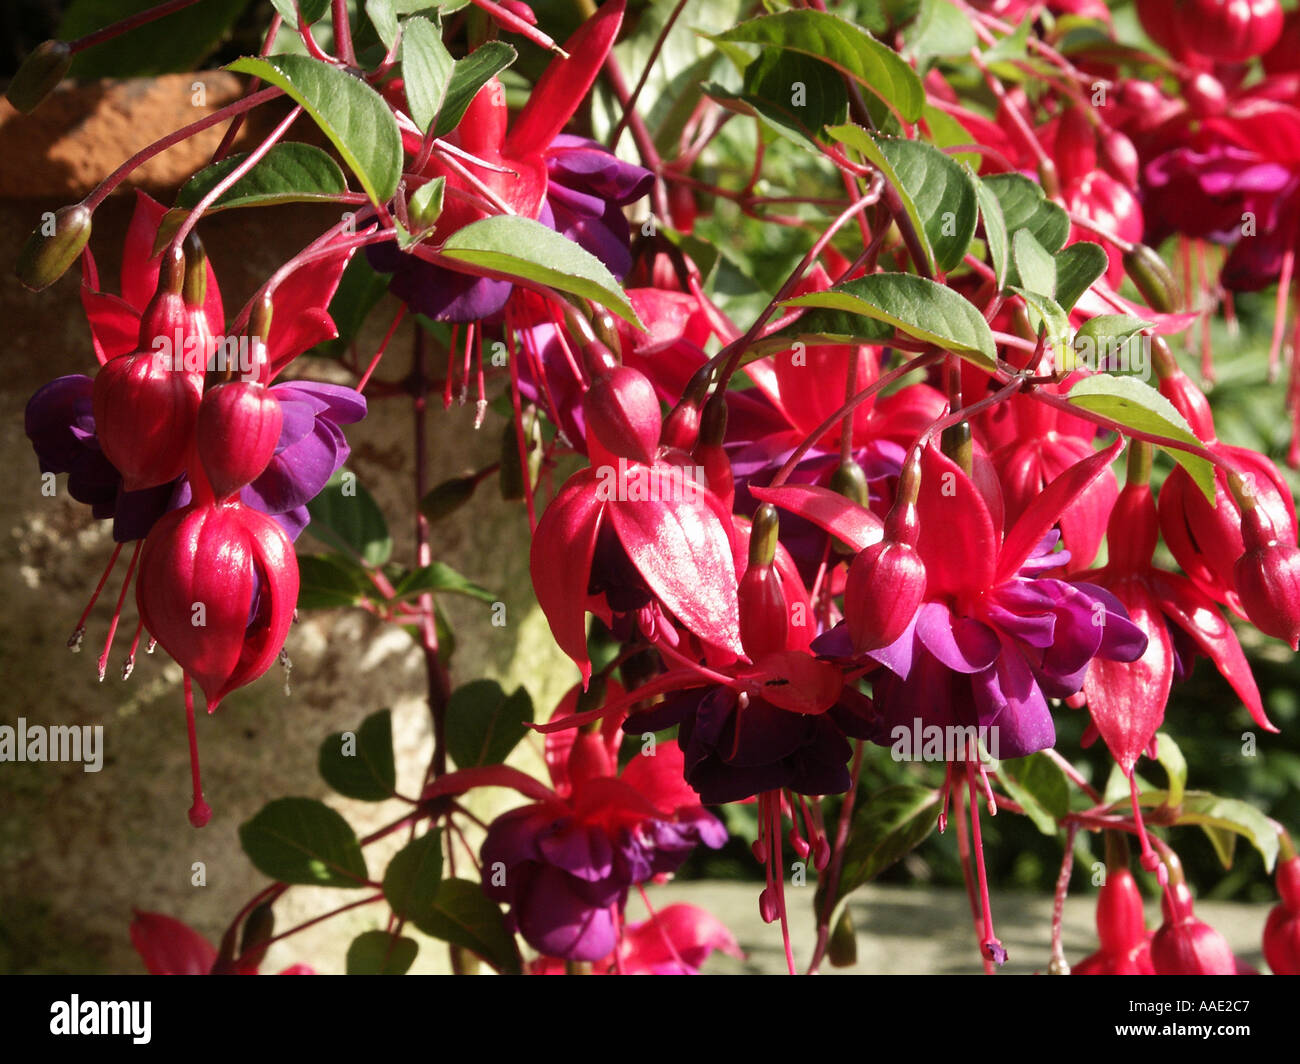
238 428
218 587
1184 945
1230 31
885 588
1282 930
621 408
1267 578
1121 925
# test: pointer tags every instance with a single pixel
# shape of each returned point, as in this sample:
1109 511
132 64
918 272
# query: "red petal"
560 563
1127 698
114 324
169 947
1196 613
684 551
658 777
301 319
957 542
564 83
140 265
828 510
467 779
680 934
1047 508
797 682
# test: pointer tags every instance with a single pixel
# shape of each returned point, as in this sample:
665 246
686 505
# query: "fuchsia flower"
649 540
1282 930
1121 930
676 940
995 635
564 864
568 183
1127 699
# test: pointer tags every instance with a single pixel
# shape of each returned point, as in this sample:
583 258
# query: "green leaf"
1231 814
360 764
1046 311
805 93
1112 326
379 953
936 191
1223 841
1024 206
1014 45
345 517
995 231
1034 264
946 132
523 248
426 70
1105 343
1136 405
1040 787
312 10
916 306
483 725
939 30
176 42
301 840
329 581
439 577
288 173
467 77
384 19
850 50
886 827
413 876
1077 267
1171 759
348 111
464 916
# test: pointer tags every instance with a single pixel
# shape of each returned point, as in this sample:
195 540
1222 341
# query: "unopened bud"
621 408
46 256
37 77
1153 277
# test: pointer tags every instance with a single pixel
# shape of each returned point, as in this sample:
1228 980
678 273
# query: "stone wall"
79 850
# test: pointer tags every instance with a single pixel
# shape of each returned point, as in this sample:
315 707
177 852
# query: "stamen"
993 949
128 666
480 407
1279 314
464 376
74 640
517 407
287 666
451 367
200 812
117 611
779 876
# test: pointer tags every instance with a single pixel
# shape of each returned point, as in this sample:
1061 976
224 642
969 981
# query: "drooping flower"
676 940
564 864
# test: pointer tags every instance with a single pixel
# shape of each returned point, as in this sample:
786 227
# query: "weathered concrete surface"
924 931
79 850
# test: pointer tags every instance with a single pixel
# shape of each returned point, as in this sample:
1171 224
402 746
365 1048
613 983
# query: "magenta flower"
564 864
